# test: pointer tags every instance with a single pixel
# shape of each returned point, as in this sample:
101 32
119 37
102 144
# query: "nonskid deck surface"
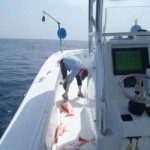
77 130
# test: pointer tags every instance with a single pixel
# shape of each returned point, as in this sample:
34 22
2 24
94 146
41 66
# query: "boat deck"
77 126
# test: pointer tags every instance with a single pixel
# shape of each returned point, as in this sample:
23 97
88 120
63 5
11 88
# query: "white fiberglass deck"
76 126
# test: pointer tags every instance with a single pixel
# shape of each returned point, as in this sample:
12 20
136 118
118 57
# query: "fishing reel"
137 102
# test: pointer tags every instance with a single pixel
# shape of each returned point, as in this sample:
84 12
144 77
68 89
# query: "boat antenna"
61 31
136 21
141 17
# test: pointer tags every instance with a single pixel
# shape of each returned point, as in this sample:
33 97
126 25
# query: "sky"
23 19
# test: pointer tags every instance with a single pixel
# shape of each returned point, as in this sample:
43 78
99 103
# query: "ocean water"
20 61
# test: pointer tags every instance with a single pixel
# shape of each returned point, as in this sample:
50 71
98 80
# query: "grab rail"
95 37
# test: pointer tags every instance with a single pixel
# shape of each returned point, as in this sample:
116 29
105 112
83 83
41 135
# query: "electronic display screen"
130 60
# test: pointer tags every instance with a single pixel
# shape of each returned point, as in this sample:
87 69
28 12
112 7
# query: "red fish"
83 140
76 145
59 131
66 107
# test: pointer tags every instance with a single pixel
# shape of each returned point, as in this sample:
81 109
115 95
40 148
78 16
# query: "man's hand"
65 95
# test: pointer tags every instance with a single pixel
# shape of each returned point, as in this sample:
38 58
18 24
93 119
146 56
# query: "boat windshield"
122 19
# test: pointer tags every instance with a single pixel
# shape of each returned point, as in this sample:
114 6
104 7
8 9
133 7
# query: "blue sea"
20 61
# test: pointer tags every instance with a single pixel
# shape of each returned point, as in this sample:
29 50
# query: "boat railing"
94 39
147 33
127 34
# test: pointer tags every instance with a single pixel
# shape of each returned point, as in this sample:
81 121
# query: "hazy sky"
23 18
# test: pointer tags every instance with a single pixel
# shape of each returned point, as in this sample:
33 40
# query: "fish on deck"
59 131
66 107
75 145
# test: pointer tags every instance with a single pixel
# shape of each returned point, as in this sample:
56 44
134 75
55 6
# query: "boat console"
126 65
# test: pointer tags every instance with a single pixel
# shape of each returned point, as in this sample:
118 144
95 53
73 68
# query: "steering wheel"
140 92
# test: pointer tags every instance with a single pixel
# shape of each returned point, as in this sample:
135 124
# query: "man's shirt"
73 64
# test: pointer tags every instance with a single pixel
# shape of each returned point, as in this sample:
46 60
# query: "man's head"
83 73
